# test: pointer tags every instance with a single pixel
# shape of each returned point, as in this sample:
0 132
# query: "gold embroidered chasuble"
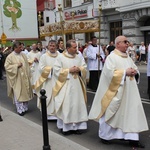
18 79
46 80
69 91
117 96
33 65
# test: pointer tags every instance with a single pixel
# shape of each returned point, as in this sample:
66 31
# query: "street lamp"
61 23
73 14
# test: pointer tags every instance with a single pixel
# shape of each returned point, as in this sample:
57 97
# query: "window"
47 19
67 3
115 30
147 33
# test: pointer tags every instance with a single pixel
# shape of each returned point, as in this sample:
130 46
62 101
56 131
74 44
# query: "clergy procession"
66 73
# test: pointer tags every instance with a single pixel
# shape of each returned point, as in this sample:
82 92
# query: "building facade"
130 18
71 10
118 17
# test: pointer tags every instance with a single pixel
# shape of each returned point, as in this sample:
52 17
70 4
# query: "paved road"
90 138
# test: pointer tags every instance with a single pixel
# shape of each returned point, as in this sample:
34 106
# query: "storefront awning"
68 27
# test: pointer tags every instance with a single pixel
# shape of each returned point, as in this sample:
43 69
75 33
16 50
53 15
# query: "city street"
94 28
89 139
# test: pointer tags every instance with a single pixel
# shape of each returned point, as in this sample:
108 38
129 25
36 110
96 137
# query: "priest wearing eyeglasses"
117 104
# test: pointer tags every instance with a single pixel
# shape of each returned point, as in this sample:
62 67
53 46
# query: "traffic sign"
3 38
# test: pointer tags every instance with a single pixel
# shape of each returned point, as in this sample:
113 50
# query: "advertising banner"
18 19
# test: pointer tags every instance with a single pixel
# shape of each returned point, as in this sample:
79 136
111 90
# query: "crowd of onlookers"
138 53
4 52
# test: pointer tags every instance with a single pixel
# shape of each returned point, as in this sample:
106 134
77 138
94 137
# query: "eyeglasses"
125 41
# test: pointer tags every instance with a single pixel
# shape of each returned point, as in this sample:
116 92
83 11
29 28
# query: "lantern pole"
100 10
61 23
39 20
73 24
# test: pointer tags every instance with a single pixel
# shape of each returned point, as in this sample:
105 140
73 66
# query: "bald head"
119 38
121 43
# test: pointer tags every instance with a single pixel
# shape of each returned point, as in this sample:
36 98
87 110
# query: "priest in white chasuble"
117 103
33 59
18 78
45 79
69 91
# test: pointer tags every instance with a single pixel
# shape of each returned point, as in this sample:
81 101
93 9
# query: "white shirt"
92 59
142 49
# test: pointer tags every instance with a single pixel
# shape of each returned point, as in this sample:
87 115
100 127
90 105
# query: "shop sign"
78 13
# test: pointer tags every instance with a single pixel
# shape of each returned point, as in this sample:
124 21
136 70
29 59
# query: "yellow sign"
3 38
